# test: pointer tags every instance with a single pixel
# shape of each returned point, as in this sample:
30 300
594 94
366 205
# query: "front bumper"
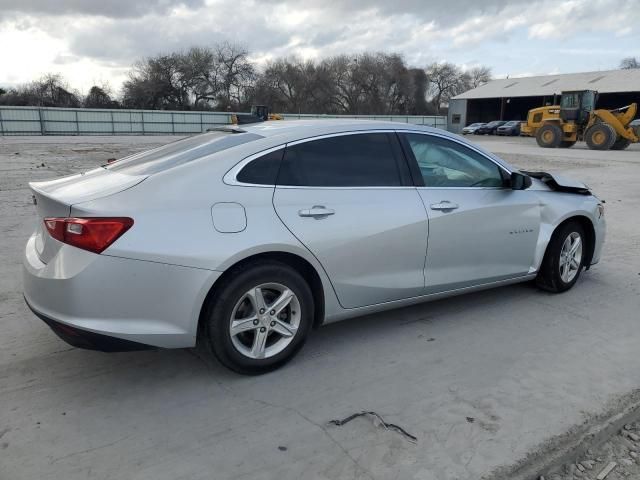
85 297
600 227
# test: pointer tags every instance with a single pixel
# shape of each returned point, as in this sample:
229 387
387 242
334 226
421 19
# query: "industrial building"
512 98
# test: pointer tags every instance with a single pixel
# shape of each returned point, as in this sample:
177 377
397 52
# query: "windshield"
180 152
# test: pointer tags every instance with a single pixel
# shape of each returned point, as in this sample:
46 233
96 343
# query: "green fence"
85 121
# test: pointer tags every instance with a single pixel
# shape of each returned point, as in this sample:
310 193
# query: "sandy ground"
482 381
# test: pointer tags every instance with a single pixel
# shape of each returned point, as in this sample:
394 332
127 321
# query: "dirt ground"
494 384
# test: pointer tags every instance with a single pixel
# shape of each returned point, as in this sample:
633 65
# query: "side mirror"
520 181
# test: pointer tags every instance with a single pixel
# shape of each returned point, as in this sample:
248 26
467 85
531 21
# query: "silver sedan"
244 239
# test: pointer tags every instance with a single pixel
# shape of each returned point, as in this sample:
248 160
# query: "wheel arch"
590 234
297 262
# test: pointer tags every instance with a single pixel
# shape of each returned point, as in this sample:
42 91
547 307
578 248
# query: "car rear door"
480 230
349 199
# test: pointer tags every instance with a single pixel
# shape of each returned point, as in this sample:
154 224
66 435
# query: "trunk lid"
54 198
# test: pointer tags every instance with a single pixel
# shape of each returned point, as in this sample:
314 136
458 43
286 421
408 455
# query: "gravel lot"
491 384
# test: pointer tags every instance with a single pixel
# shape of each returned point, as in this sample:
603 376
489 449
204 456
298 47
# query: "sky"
97 41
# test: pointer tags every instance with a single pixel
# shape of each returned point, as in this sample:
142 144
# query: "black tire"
620 144
600 136
549 135
567 143
220 306
549 277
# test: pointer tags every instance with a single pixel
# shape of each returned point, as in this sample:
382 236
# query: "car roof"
283 131
292 130
275 133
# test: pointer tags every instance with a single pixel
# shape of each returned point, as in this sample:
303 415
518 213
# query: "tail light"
92 234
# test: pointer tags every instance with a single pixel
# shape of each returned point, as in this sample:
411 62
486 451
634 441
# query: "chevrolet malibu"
245 239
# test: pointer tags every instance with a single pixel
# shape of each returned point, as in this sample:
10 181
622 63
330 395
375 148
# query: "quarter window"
262 170
444 163
357 160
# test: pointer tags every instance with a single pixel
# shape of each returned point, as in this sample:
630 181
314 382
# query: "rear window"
180 152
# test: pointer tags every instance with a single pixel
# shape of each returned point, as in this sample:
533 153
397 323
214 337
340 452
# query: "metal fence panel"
429 120
86 121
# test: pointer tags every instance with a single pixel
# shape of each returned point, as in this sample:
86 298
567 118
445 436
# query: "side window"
262 170
444 163
358 160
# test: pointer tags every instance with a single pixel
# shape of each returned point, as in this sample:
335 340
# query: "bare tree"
157 83
629 63
417 103
237 73
99 97
51 90
479 76
446 80
203 73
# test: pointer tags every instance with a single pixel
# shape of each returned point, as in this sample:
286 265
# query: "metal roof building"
512 98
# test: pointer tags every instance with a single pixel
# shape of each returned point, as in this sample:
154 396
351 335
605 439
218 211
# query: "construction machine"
259 113
576 118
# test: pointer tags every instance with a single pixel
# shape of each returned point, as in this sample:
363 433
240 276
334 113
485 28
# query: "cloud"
86 39
106 8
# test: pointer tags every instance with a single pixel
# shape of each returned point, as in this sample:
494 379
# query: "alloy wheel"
264 320
570 257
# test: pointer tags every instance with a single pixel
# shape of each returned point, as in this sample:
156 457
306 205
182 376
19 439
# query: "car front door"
350 200
480 230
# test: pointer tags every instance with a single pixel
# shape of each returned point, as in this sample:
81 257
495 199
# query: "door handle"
444 205
317 212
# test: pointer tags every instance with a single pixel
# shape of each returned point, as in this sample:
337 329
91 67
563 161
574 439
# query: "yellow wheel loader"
576 118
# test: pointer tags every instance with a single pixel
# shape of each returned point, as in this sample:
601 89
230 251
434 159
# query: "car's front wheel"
259 319
564 259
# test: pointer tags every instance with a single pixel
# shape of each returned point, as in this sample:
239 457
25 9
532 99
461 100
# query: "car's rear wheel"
260 318
564 259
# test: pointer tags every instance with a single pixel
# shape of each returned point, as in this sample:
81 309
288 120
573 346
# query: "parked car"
635 124
472 128
489 128
510 128
244 239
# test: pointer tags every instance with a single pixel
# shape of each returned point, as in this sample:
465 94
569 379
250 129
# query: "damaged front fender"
559 183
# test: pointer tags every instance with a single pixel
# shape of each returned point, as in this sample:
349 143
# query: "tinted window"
262 170
359 160
444 163
180 152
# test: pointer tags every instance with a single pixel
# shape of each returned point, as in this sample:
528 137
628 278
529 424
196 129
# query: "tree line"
224 78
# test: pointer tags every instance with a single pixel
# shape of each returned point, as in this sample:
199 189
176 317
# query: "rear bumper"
85 297
76 337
